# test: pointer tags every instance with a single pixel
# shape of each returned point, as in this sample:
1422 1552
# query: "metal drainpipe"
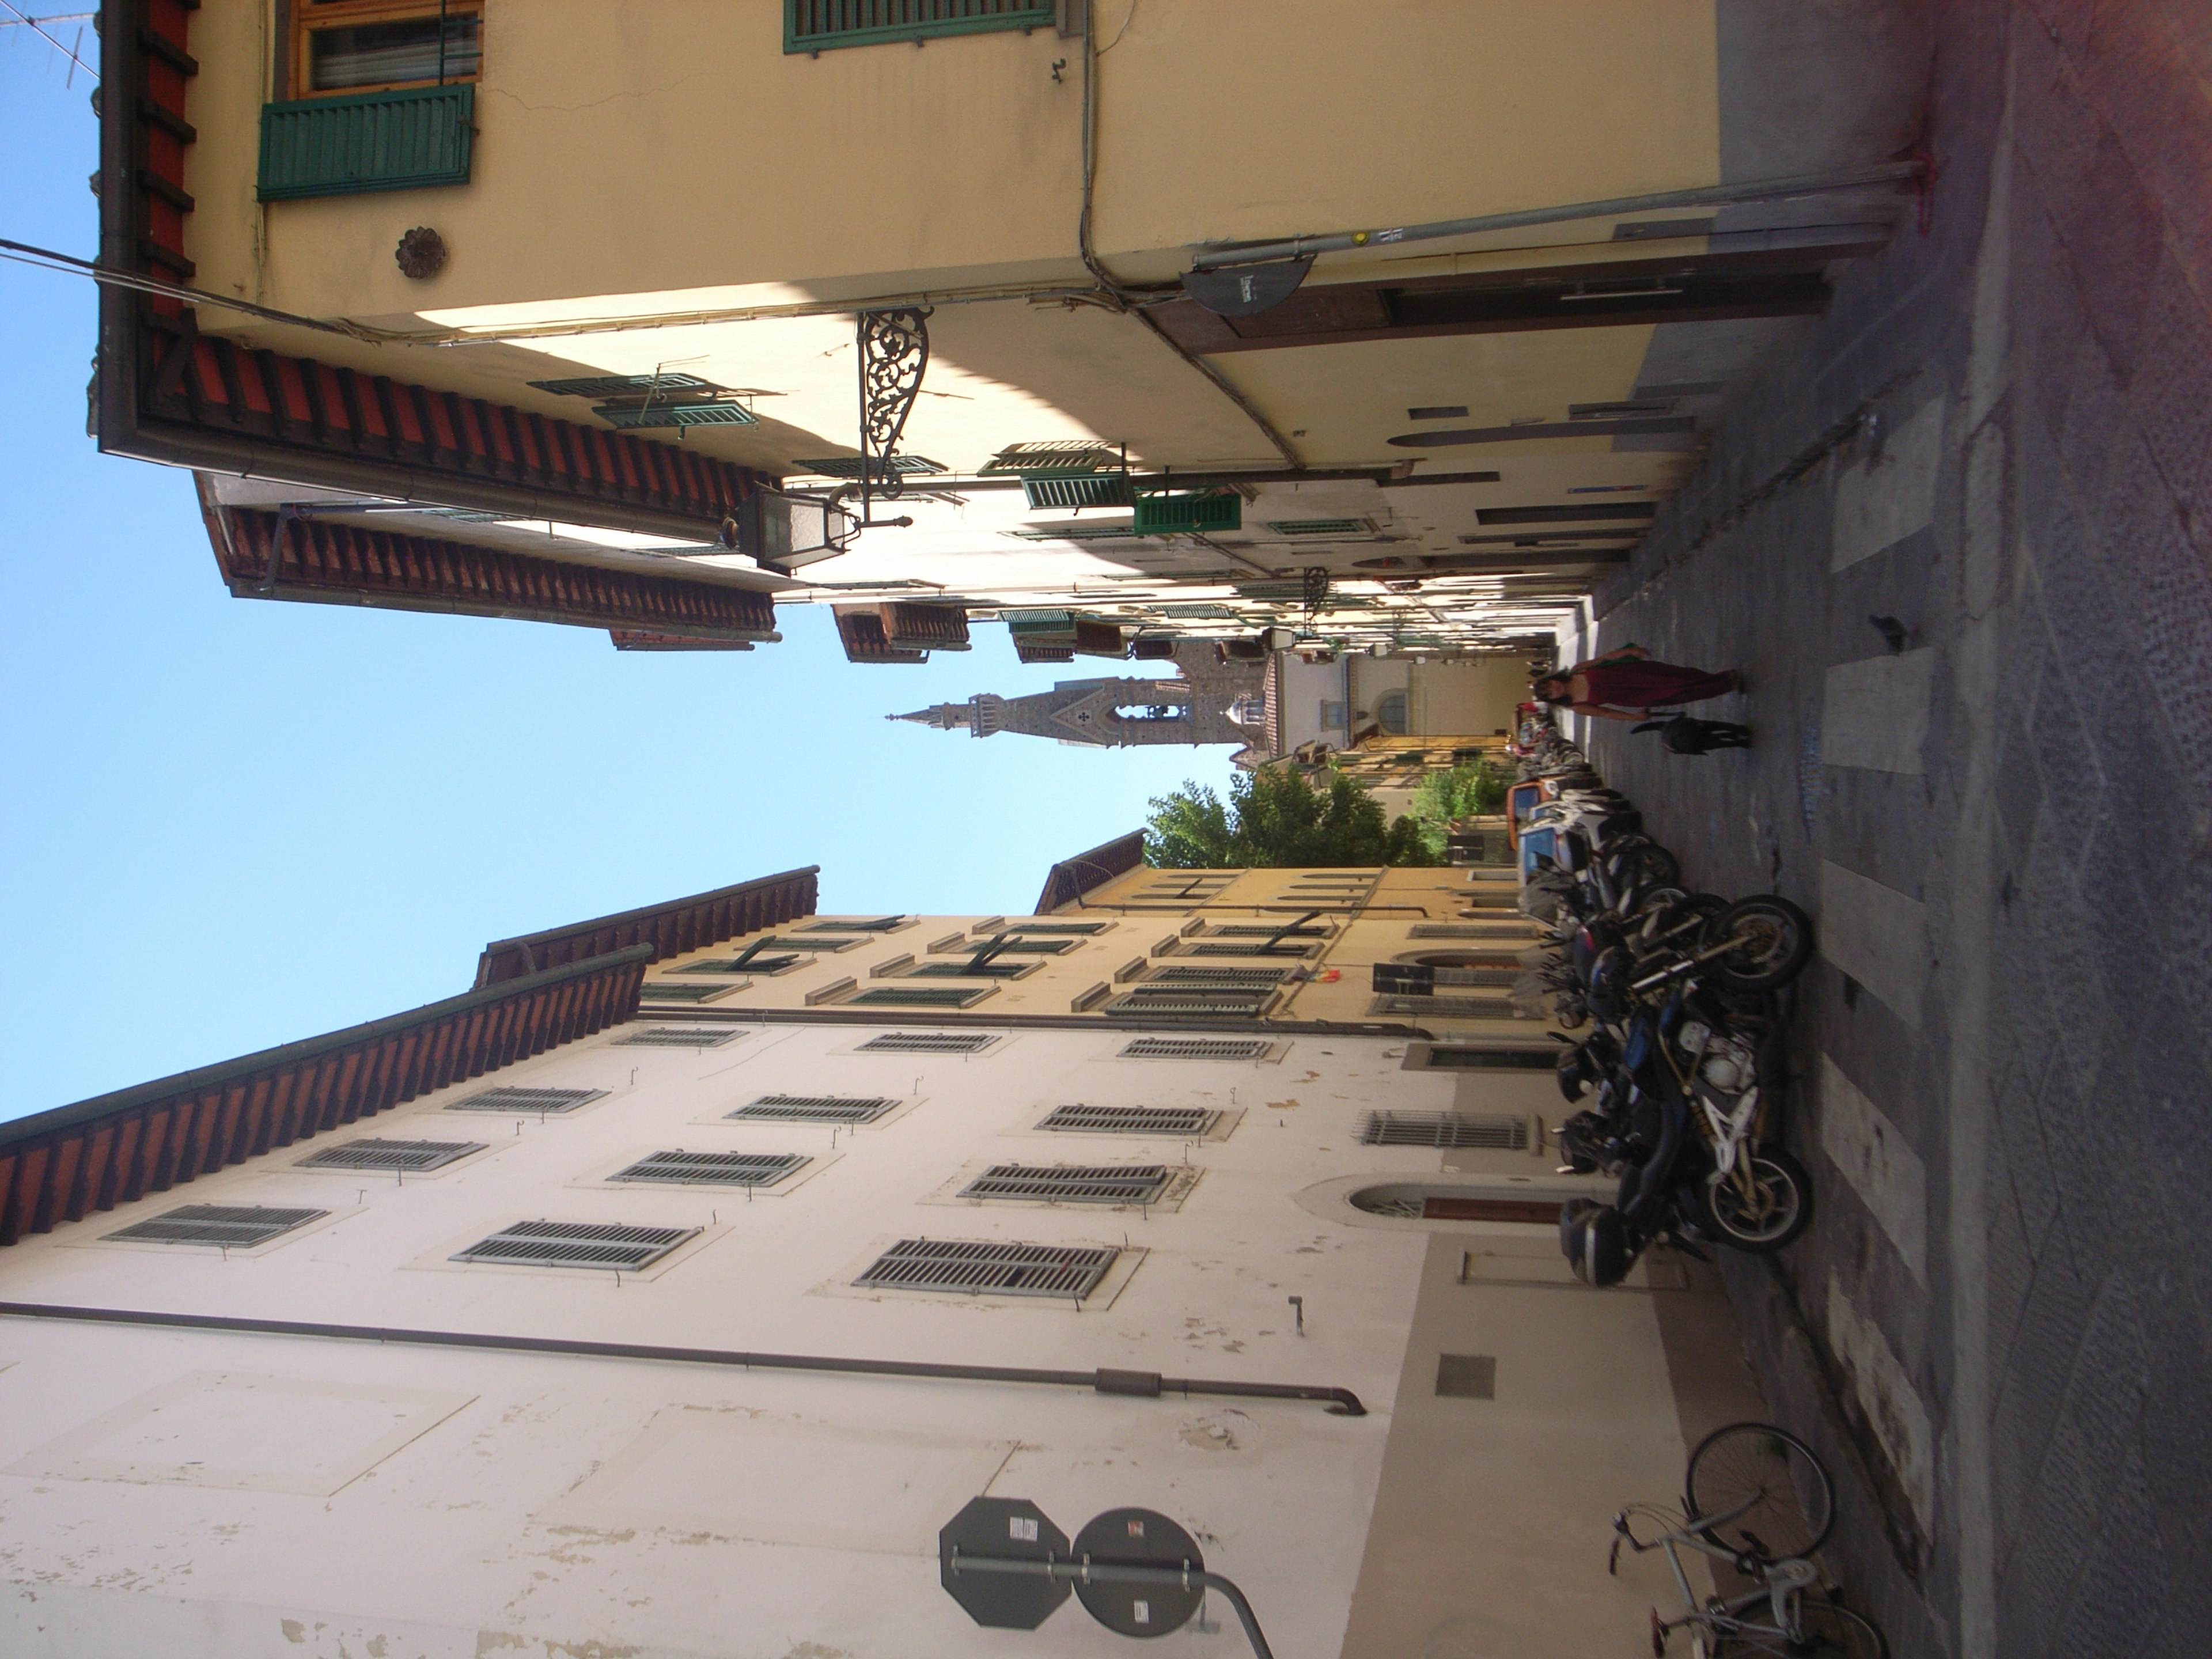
1147 1385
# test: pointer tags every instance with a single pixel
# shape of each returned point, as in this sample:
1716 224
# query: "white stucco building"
344 1391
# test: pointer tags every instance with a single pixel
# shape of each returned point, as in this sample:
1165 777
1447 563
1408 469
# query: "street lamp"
781 532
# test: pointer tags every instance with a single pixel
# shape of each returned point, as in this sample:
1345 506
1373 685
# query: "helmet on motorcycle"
1609 984
1573 1074
1596 1240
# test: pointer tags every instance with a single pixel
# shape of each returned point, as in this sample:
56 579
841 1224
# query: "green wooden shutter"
1184 512
367 141
818 24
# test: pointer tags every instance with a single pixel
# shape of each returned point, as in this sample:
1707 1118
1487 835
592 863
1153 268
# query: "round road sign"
1138 1538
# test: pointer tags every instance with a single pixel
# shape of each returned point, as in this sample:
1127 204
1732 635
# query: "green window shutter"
1182 511
367 141
819 25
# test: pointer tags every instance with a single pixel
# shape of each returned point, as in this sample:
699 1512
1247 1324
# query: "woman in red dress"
1626 685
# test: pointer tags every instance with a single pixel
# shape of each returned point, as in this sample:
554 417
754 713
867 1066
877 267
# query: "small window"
379 45
855 925
1180 1120
676 1036
577 1244
964 971
1141 1001
1248 979
1253 930
814 1108
233 1226
525 1100
922 996
925 1042
663 991
764 964
1447 1007
1498 1133
1438 1056
813 26
1256 948
401 1156
1021 945
1332 717
1050 927
980 1268
1391 713
682 1168
1098 1183
1194 1048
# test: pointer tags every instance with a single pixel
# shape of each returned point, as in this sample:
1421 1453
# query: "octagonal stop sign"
1003 1528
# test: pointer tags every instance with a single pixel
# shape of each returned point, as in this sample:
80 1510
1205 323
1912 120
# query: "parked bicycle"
1756 1498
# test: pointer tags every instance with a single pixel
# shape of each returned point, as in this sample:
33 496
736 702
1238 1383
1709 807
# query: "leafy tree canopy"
1469 791
1273 819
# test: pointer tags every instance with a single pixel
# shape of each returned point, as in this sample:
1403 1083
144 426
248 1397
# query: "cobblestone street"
1959 543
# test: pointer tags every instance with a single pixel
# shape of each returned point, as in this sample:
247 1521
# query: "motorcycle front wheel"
1773 942
1777 1209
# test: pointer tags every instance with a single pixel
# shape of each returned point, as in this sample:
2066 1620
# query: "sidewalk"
1996 1330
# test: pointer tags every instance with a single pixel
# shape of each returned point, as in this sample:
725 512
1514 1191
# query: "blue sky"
229 823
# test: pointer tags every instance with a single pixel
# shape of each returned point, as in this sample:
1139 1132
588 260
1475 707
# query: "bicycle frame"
1785 1582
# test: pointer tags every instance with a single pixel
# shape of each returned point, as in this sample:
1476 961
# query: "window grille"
1228 1005
1498 1133
1254 949
525 1100
1494 1059
1243 979
1051 927
576 1244
1196 1049
995 1269
856 924
714 1169
1181 1120
1447 1007
1323 527
662 991
1020 945
237 1225
961 970
1249 930
1469 929
820 25
411 1157
925 1042
922 996
814 1108
760 964
1097 1183
676 1036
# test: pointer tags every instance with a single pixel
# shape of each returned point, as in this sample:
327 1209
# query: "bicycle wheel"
1773 1490
1830 1631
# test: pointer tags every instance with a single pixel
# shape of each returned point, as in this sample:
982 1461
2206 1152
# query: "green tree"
1473 790
1273 819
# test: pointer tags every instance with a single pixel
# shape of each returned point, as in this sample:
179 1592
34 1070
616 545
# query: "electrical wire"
45 258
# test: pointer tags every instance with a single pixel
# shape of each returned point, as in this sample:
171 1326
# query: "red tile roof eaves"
671 929
1071 878
349 563
63 1164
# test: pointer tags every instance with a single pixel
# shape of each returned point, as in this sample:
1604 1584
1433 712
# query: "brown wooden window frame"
309 17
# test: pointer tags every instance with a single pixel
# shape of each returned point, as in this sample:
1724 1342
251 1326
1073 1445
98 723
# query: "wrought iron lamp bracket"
894 351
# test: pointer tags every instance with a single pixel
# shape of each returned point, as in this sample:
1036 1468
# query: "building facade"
450 308
668 1292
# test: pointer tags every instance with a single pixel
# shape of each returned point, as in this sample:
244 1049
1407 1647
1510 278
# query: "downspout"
1134 301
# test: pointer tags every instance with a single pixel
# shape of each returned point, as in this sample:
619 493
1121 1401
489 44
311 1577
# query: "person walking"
1627 685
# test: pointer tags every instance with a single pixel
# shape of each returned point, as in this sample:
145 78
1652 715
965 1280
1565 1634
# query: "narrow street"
1958 542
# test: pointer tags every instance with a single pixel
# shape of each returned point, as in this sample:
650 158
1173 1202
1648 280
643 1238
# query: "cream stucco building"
666 1293
568 309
